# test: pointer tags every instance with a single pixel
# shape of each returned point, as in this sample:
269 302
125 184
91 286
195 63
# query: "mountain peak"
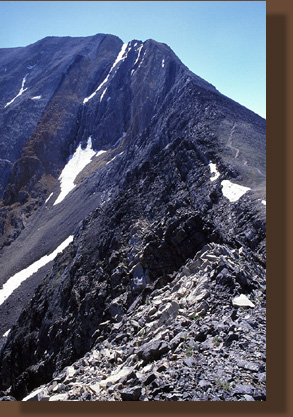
132 205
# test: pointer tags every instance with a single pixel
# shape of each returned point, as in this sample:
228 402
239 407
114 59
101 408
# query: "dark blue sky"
224 42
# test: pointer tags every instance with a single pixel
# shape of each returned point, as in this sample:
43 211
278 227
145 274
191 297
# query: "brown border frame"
279 249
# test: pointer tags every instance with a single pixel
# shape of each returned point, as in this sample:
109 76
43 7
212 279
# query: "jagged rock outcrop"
185 340
162 241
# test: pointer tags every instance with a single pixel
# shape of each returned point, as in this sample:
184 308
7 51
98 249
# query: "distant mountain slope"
120 148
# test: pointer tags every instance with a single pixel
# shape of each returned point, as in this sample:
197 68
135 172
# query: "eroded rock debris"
183 341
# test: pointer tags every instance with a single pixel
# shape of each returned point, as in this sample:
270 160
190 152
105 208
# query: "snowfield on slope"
230 190
80 159
233 191
16 280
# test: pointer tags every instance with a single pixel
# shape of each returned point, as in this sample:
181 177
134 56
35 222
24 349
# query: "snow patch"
215 173
118 59
233 191
6 333
36 97
163 63
21 91
80 159
16 280
264 202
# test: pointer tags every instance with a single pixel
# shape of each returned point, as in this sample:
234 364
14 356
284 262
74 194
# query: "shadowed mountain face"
138 159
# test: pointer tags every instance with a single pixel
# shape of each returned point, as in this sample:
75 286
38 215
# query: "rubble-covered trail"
186 341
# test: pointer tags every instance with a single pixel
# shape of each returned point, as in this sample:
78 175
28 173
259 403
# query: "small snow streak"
101 98
21 91
163 63
16 280
116 156
233 191
36 97
138 55
6 333
142 60
48 198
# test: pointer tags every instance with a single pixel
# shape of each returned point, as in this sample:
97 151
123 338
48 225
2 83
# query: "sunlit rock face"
152 183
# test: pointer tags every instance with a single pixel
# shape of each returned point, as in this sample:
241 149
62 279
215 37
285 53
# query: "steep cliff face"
140 164
44 117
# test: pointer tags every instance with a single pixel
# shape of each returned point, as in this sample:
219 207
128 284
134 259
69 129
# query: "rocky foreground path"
199 337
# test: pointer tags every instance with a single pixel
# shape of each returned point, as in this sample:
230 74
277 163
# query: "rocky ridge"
188 340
